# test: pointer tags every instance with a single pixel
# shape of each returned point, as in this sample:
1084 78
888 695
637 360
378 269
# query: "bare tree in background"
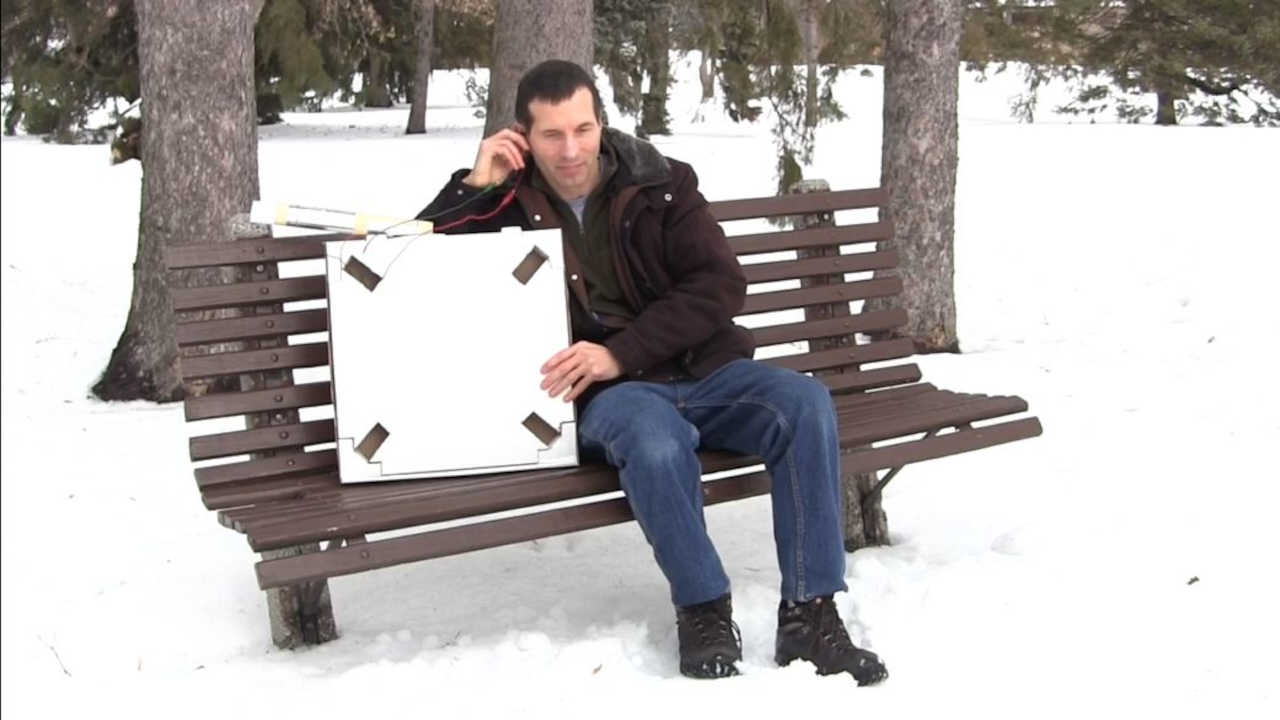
918 164
525 33
199 167
424 24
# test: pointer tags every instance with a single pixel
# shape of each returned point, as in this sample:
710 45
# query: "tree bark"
525 33
375 83
707 75
1166 111
300 615
811 11
424 22
199 164
918 165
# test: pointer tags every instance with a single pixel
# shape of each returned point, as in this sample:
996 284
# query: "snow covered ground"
1118 277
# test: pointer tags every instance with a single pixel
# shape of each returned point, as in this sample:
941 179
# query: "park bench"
281 487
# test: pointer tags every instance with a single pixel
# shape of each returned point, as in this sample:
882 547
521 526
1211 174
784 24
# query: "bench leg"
865 522
299 614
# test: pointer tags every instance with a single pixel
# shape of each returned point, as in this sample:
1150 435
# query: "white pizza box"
436 344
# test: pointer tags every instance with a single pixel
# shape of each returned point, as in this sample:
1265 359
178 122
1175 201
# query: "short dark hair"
553 81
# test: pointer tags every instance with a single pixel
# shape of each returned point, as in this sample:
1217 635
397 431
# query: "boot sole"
710 670
783 660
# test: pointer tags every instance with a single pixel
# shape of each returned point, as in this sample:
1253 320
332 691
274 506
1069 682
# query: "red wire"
506 200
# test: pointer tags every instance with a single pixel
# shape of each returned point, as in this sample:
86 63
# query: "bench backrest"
241 363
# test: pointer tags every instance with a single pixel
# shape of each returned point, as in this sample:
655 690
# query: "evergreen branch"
1208 88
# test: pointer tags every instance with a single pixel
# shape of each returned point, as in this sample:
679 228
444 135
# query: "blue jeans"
651 431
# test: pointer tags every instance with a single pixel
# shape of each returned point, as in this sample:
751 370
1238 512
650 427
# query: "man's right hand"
499 154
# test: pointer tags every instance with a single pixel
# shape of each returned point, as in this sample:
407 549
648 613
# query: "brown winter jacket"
674 265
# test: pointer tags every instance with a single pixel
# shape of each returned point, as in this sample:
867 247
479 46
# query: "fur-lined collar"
639 162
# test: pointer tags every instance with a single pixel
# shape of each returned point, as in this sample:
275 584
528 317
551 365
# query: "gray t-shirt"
578 206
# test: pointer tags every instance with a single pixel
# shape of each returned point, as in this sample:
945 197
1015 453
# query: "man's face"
564 139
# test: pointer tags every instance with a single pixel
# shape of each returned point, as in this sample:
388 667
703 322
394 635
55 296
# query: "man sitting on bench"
659 369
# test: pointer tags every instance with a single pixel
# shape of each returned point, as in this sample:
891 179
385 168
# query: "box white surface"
445 353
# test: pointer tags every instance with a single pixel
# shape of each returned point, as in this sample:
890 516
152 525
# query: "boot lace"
713 628
832 630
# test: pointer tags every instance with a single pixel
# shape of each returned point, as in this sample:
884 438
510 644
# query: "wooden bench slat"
343 519
811 267
239 472
822 294
821 236
249 250
477 536
435 496
874 378
286 357
253 326
843 402
901 425
274 437
276 527
266 292
815 329
940 446
800 204
213 481
238 403
363 495
885 405
265 491
870 352
450 541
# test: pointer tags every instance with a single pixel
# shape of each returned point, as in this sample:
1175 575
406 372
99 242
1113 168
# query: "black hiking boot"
710 642
813 631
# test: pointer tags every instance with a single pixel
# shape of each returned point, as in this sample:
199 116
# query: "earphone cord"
506 200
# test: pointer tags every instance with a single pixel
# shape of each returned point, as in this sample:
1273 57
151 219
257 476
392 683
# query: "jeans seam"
796 499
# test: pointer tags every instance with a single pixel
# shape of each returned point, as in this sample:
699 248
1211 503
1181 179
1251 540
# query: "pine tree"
1217 60
633 43
291 65
763 46
65 59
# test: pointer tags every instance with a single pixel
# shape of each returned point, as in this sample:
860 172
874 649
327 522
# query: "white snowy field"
1118 277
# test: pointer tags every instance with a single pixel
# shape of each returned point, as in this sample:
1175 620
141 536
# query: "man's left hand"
576 367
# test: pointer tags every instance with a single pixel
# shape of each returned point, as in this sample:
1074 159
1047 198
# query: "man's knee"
613 412
804 396
655 450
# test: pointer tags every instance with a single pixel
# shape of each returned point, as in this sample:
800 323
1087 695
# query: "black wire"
446 211
488 189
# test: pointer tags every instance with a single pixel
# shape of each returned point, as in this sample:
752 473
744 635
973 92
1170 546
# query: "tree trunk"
811 10
707 74
14 116
525 33
424 22
865 523
199 164
653 108
375 83
1166 112
918 165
